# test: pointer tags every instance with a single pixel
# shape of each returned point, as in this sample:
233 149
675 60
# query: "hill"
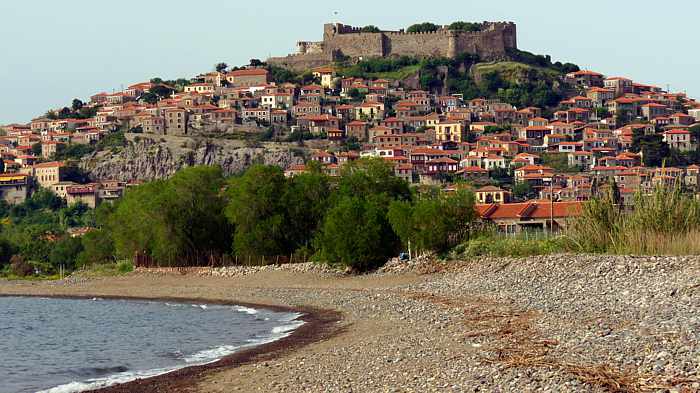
523 80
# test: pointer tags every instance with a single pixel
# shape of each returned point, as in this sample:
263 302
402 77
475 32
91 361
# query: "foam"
208 356
247 310
97 383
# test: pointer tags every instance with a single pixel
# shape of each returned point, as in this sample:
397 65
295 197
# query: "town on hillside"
529 166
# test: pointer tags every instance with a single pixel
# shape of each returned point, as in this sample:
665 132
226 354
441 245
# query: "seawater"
72 345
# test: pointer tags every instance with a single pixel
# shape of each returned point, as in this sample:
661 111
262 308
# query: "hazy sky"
54 50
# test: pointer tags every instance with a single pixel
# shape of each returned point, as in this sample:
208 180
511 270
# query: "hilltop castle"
342 41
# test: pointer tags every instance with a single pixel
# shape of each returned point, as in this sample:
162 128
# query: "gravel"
559 323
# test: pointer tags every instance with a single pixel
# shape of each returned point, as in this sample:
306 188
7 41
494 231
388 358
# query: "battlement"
345 41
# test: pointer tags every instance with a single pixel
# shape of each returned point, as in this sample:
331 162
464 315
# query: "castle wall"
301 62
356 44
491 43
419 44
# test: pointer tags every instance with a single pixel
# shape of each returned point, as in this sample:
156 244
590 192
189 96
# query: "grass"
105 269
664 222
97 270
399 74
41 277
521 245
510 70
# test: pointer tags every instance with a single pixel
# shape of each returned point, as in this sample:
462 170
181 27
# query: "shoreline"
557 322
318 326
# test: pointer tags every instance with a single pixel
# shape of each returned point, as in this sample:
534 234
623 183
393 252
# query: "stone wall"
489 44
342 40
435 44
302 62
356 44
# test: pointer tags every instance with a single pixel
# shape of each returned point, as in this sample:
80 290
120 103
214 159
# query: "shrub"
663 222
19 267
125 266
516 246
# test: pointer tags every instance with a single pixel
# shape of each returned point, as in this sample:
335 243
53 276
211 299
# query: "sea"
57 345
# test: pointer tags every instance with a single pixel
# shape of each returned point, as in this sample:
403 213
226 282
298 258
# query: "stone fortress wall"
341 41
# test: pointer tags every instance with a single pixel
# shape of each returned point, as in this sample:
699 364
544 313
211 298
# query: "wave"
97 383
247 310
290 323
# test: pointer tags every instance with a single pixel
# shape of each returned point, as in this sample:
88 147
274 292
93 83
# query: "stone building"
340 41
48 173
14 188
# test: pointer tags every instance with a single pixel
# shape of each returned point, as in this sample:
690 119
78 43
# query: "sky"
52 51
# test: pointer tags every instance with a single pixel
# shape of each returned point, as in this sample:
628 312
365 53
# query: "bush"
19 267
663 222
125 266
516 246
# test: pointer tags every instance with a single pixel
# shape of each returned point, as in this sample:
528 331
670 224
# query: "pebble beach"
560 323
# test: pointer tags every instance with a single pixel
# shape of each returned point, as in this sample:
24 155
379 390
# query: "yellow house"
370 111
491 194
326 75
450 132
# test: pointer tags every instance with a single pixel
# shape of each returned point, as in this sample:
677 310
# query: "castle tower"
452 50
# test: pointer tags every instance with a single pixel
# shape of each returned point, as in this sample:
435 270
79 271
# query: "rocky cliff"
157 157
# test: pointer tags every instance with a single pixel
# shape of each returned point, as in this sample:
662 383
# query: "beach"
555 323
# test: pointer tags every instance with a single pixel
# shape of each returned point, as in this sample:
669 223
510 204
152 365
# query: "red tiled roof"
53 164
532 209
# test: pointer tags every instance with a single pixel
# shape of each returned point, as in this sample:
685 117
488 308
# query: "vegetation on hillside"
75 151
77 110
526 80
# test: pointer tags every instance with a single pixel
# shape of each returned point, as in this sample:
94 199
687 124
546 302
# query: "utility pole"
551 205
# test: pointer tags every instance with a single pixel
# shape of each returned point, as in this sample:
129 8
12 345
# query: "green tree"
370 29
6 252
356 234
306 201
257 211
36 149
425 27
98 247
221 67
433 222
465 26
161 91
256 63
372 177
184 216
77 105
522 190
65 252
